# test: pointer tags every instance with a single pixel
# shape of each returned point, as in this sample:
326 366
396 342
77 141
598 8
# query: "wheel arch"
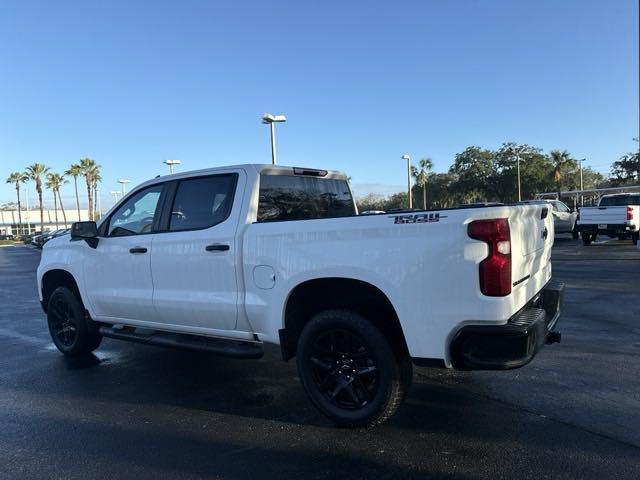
55 278
313 296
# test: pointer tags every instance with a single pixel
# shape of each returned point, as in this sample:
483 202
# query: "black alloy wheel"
62 323
349 370
67 324
344 371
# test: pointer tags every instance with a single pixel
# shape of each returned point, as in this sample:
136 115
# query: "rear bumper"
611 229
514 344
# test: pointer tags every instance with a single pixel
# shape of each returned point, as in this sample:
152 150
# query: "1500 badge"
418 218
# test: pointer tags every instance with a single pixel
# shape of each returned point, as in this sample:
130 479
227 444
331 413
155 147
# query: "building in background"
31 220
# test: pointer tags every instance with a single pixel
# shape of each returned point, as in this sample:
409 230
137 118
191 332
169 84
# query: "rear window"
293 197
620 201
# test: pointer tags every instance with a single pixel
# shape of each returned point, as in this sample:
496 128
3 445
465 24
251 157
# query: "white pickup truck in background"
225 260
616 215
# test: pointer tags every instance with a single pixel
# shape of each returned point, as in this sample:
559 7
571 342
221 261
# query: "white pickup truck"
225 260
616 215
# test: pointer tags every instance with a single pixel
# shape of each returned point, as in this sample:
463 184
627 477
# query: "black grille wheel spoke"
344 371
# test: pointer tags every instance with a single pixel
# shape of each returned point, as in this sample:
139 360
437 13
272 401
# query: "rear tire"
68 326
587 238
349 370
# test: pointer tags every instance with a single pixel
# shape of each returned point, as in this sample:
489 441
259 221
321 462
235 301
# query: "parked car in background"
616 215
48 236
35 239
227 259
564 218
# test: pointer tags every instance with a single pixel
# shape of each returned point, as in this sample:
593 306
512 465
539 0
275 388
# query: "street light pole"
171 163
270 119
581 184
123 182
408 159
115 194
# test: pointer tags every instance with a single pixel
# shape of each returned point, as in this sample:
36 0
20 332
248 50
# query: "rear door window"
202 202
297 197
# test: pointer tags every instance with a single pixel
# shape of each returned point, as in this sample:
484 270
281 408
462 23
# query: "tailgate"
531 240
603 215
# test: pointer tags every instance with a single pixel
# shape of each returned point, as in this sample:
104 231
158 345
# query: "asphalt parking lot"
134 411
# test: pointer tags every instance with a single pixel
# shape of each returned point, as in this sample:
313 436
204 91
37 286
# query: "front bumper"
514 344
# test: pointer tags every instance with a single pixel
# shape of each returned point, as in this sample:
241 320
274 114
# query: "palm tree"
54 182
89 167
75 171
561 160
96 178
422 176
34 173
18 178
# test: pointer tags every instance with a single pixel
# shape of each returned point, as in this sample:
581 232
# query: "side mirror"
85 231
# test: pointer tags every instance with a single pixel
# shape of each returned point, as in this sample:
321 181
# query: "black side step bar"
218 346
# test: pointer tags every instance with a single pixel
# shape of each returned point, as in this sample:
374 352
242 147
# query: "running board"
218 346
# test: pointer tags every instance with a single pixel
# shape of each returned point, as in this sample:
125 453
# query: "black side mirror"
85 231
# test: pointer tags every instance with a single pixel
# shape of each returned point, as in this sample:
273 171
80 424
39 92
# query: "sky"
132 83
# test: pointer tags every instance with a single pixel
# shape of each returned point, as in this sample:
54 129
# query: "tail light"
495 270
629 213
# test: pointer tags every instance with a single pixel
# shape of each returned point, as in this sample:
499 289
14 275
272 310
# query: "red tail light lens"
495 270
629 213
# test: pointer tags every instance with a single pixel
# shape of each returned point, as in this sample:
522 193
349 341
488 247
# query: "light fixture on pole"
408 159
171 163
270 119
123 182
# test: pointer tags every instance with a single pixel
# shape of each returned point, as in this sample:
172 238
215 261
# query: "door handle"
217 247
138 250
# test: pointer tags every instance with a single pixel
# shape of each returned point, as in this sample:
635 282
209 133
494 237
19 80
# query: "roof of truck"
262 168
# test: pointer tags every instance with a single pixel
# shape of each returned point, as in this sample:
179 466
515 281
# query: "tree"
34 173
89 169
371 201
442 190
96 178
535 171
54 182
17 178
561 161
75 171
627 168
476 174
421 174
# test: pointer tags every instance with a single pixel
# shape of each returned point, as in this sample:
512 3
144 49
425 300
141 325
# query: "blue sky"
131 83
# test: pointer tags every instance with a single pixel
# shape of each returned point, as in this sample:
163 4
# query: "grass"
9 242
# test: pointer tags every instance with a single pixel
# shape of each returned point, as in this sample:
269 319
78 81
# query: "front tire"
349 370
67 324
